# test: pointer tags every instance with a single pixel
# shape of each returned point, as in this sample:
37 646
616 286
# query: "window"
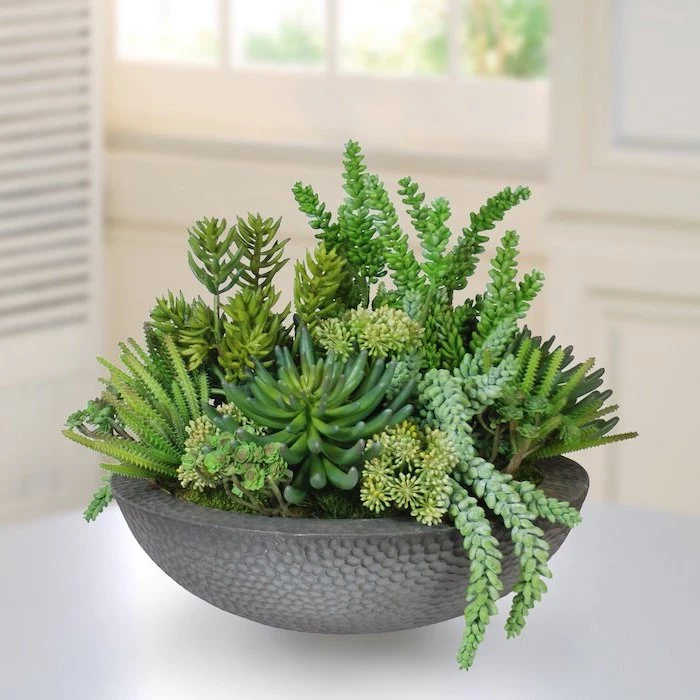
282 34
411 74
408 37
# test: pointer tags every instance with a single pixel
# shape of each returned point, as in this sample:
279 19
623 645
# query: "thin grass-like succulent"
147 405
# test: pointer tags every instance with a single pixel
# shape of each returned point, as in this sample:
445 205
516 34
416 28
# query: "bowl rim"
563 479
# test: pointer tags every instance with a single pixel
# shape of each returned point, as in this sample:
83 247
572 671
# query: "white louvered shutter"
50 231
49 186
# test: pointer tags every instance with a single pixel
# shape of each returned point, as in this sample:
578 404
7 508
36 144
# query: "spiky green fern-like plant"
363 250
505 298
153 398
430 222
190 323
214 261
400 259
261 253
446 329
552 407
252 329
247 255
462 260
322 410
368 237
319 284
353 236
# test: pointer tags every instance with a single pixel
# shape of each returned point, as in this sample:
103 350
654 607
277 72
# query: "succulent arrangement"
385 393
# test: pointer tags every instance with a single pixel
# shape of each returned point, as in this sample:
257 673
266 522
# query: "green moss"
336 506
529 472
211 498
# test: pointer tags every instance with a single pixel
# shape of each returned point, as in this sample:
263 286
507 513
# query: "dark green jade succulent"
321 410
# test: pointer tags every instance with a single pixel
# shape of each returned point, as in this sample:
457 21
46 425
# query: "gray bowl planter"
332 576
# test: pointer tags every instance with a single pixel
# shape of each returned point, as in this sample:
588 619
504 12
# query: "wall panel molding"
653 106
604 160
630 296
501 163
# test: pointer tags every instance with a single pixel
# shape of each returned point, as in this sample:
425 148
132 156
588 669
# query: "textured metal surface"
333 576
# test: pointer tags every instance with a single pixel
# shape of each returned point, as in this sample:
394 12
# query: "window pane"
507 38
393 36
279 32
167 30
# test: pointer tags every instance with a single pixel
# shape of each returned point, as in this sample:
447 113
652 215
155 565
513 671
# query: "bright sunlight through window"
491 38
175 31
282 33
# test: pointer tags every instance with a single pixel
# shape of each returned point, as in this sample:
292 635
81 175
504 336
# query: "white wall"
624 230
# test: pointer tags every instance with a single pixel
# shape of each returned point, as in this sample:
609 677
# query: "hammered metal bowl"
331 576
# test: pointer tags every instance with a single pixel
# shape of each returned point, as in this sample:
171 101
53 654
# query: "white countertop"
86 614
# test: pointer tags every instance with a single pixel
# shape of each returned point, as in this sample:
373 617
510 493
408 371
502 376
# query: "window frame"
454 113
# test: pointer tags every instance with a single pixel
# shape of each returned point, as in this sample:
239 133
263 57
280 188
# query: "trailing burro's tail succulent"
322 410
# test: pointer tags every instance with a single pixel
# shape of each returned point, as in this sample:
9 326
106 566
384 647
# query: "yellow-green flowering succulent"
382 332
410 472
